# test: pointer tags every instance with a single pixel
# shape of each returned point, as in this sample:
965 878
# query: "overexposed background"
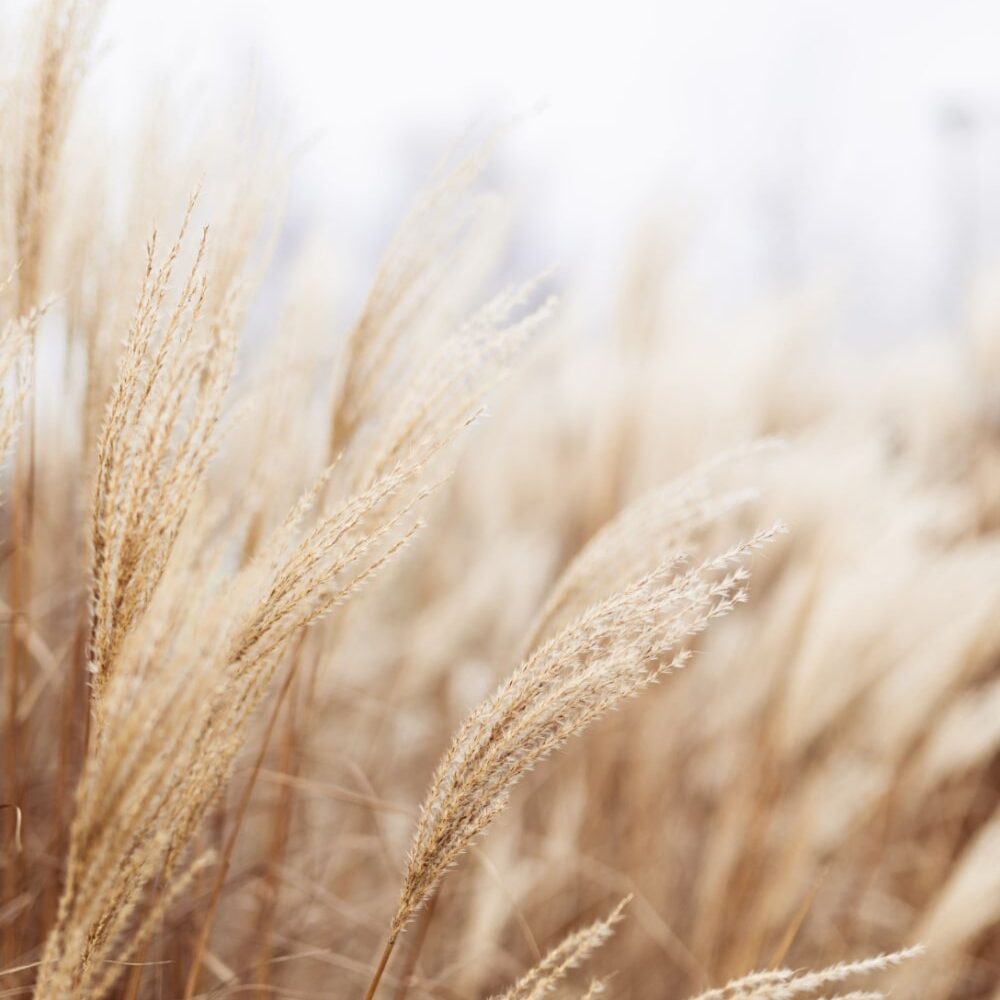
850 146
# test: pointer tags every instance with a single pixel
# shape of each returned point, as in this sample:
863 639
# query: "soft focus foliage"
294 626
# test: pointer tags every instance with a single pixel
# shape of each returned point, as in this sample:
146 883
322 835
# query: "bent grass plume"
652 529
573 950
159 433
611 652
784 984
16 363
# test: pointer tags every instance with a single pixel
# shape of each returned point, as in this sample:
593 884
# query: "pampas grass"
297 637
783 984
565 956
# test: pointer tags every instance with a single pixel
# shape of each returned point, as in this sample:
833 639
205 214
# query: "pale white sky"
786 141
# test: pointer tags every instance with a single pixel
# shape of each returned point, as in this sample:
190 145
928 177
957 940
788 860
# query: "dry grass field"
455 654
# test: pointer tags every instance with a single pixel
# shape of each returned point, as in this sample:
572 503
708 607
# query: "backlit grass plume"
612 651
158 436
569 954
267 560
16 356
784 984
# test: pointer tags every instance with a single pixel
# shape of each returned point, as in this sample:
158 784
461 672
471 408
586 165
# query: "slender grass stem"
380 969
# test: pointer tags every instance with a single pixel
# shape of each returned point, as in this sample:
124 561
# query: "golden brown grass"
262 601
574 949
